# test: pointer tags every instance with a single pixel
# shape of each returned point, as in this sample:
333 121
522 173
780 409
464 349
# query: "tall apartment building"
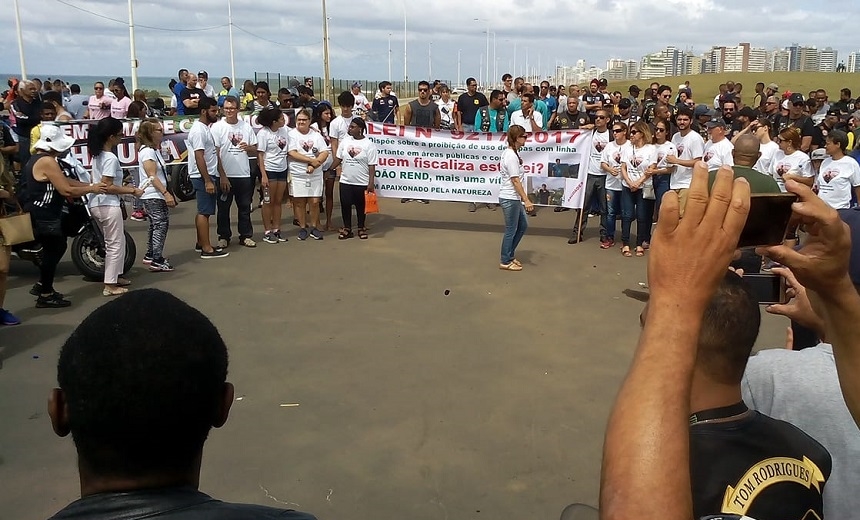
854 62
809 59
780 60
793 57
827 60
653 66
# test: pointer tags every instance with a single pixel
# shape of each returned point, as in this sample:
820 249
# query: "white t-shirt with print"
358 155
234 160
689 147
310 145
105 164
148 154
599 140
664 150
796 163
327 138
510 167
517 118
275 146
837 180
200 138
718 154
768 153
612 155
637 161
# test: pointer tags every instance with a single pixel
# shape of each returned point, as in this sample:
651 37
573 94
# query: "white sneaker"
248 242
223 243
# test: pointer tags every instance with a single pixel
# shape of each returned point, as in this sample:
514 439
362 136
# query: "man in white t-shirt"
237 143
690 149
204 169
595 182
718 149
527 117
446 108
361 104
839 174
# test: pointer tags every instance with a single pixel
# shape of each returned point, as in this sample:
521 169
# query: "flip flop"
626 251
640 251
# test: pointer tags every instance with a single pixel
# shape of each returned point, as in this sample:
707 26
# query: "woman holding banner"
512 198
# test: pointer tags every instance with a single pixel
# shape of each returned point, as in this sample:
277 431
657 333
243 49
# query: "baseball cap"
625 103
595 81
785 104
852 218
834 112
634 88
356 84
818 154
682 85
203 74
774 87
52 137
714 123
701 110
797 97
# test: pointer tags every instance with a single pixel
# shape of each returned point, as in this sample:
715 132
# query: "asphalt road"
422 381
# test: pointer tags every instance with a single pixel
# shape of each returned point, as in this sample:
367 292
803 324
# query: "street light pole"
232 59
405 68
389 57
458 67
495 60
20 42
131 45
327 79
430 62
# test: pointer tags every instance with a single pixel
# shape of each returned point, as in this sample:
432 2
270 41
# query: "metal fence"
401 89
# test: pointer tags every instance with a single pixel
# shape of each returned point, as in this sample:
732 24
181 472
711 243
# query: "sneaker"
215 253
270 238
559 209
473 207
160 266
7 318
424 201
404 201
223 243
607 243
197 248
138 215
53 301
279 237
490 206
316 234
248 242
575 239
147 259
303 234
36 290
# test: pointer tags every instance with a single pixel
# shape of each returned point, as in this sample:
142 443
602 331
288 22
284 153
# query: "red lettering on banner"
456 134
423 132
393 130
372 129
473 136
540 137
573 136
489 167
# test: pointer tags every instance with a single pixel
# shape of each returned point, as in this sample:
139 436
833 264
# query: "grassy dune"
705 86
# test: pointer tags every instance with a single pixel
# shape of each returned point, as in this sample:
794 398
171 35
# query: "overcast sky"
59 39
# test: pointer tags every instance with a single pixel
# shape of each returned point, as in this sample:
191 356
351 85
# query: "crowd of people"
720 431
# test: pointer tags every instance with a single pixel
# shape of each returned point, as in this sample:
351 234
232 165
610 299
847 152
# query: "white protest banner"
422 163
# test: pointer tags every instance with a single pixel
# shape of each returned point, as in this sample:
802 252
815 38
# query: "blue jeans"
634 205
613 209
516 224
661 186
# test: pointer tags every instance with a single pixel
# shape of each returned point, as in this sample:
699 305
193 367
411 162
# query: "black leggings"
352 195
53 249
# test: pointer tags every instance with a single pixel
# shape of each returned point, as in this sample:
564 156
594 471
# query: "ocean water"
86 82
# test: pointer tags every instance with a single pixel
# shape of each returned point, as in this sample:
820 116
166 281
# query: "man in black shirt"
743 462
139 416
468 104
26 109
797 119
572 118
191 96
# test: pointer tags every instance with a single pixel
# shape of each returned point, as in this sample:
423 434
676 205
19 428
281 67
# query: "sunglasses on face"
423 90
617 130
658 129
634 132
599 117
799 104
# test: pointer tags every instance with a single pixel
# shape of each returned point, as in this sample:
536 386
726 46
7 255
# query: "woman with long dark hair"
106 209
513 198
273 142
358 156
119 106
323 114
262 98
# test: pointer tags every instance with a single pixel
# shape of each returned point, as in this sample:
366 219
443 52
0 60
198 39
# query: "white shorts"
299 186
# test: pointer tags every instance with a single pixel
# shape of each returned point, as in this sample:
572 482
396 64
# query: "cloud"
276 36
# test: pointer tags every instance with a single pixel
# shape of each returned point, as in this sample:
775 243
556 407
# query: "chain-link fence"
276 80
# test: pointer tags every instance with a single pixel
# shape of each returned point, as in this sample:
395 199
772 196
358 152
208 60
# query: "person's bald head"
746 151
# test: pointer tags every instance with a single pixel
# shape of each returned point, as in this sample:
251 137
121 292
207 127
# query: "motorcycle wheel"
88 255
180 183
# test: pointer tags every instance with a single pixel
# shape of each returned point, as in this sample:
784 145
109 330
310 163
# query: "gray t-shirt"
802 388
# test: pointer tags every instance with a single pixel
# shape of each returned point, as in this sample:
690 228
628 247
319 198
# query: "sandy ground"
487 402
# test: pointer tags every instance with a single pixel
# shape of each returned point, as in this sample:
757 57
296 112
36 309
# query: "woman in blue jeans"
512 198
636 166
662 173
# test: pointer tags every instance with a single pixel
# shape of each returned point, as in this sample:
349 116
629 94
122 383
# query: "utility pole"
327 79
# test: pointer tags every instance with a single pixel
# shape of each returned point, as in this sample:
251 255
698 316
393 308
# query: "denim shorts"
205 201
277 176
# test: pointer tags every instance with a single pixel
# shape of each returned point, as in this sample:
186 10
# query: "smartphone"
768 219
768 289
